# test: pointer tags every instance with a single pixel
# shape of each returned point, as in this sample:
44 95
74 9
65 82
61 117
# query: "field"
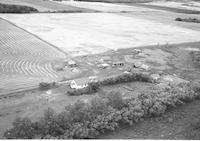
25 60
118 1
105 7
79 34
190 5
142 38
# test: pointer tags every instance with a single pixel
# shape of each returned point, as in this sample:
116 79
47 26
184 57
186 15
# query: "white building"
82 83
78 84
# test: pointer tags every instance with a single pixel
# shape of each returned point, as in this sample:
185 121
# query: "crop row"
25 60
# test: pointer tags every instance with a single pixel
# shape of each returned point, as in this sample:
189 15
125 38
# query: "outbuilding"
120 64
72 63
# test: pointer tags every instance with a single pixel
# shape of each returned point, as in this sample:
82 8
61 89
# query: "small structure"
72 63
126 72
145 67
103 66
156 76
137 51
116 64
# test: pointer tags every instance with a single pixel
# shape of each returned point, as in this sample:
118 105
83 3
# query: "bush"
129 77
5 8
194 20
46 86
115 99
22 129
178 19
87 120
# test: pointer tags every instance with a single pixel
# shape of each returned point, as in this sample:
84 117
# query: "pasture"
105 7
24 59
79 34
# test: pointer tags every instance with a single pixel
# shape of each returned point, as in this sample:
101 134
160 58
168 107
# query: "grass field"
79 34
105 7
173 6
24 59
118 1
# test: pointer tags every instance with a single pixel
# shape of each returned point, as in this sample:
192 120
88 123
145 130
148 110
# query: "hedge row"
46 85
122 78
103 113
7 8
193 20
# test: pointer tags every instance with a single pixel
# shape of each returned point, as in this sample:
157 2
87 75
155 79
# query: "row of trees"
5 8
193 20
102 114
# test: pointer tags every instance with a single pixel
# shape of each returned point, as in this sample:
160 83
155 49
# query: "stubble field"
79 34
24 59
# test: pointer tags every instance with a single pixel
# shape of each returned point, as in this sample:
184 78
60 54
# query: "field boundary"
16 92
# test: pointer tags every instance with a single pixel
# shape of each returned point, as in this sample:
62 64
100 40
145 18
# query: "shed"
72 63
103 66
115 64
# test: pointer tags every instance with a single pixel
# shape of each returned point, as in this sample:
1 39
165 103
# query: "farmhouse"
78 84
82 83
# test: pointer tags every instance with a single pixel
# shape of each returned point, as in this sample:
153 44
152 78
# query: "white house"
82 83
78 84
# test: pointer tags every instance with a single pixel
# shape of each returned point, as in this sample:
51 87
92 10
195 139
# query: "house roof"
83 81
71 62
